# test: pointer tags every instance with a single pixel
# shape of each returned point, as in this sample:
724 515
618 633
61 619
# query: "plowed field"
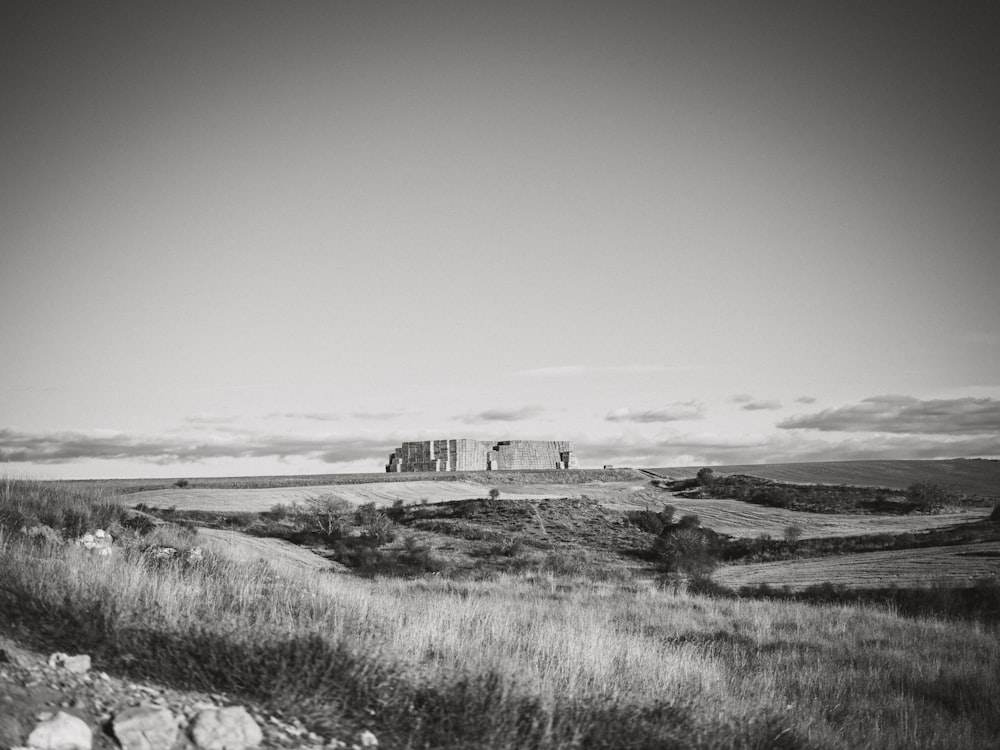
741 519
957 565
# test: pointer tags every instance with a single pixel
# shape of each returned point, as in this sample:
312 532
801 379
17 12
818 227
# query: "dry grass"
545 661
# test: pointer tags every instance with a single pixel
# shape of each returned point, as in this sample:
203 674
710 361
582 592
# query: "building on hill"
481 455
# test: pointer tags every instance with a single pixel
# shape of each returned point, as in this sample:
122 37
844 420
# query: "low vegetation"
919 497
541 657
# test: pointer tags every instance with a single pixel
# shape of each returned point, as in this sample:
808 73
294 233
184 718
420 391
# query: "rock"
225 729
145 728
76 664
9 657
367 739
99 542
62 732
195 554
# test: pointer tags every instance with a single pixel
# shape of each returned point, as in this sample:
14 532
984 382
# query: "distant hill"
973 476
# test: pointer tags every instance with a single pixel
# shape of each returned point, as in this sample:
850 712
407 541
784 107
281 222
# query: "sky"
244 238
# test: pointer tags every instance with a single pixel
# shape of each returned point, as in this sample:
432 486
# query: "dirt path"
239 546
953 565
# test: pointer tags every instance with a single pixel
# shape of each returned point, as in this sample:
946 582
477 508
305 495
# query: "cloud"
767 405
565 371
805 400
741 398
904 414
502 415
670 413
209 420
319 416
316 416
376 415
715 449
67 447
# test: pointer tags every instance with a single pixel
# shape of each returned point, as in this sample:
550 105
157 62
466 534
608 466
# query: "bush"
930 497
647 520
328 515
181 483
494 494
685 551
995 515
690 521
793 533
706 477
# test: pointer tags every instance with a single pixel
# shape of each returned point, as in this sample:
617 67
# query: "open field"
500 478
973 476
741 519
256 500
958 565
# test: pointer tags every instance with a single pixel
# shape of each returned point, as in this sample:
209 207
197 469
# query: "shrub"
327 514
646 520
793 533
508 545
690 521
930 496
494 494
995 515
706 477
181 483
685 551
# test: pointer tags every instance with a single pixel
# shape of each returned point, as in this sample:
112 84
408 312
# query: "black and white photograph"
480 375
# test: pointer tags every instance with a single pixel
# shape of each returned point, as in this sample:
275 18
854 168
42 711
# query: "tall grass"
544 662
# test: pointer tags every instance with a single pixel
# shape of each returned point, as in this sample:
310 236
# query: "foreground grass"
515 661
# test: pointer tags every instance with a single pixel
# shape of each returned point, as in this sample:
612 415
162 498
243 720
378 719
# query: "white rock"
77 664
225 729
367 739
145 728
62 732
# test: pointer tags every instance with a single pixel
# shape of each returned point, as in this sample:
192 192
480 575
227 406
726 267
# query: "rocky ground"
48 702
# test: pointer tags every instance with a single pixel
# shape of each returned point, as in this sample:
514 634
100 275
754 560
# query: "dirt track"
243 547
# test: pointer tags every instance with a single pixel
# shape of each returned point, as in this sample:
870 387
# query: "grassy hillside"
973 476
522 660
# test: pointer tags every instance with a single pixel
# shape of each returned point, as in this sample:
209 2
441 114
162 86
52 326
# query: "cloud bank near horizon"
905 414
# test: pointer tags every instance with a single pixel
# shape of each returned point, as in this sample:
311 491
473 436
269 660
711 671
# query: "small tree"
668 513
929 497
706 477
328 514
793 533
494 494
181 483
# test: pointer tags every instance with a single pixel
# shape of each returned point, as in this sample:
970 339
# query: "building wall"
481 455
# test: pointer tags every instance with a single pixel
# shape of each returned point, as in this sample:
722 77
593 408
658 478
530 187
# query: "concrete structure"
481 455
